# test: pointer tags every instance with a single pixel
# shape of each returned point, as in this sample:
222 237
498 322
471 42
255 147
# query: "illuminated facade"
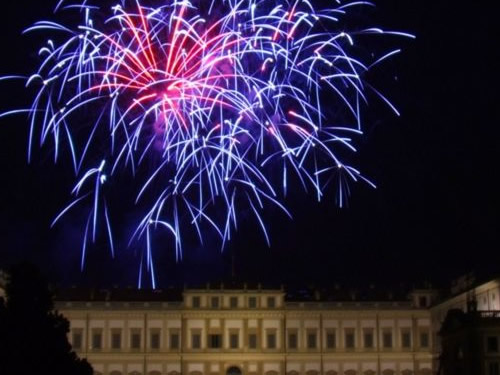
254 332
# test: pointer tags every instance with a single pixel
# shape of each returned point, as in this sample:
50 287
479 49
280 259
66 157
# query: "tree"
33 336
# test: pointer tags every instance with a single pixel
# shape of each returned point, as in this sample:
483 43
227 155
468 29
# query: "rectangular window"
196 341
331 340
135 340
252 341
422 301
97 340
271 341
424 340
174 341
196 302
368 340
214 302
215 341
252 302
311 340
406 340
116 340
155 340
77 339
292 341
492 344
233 302
234 341
349 339
271 302
387 340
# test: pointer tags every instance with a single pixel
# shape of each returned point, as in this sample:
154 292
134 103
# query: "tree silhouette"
33 337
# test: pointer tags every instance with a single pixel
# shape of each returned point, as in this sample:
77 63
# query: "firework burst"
202 103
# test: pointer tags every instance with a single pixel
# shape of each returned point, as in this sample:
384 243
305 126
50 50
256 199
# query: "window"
331 340
387 340
233 302
135 340
494 368
311 340
349 339
214 302
292 341
252 302
174 341
252 341
196 302
422 301
271 341
196 341
368 340
97 340
271 302
77 339
155 340
116 340
215 341
492 344
406 340
234 341
424 340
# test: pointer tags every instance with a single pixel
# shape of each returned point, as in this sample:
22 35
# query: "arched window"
292 373
115 372
233 370
312 372
388 372
154 373
332 372
369 372
351 372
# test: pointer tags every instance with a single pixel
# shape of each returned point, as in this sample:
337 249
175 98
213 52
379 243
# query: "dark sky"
434 215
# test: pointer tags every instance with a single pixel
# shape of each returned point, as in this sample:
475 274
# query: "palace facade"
251 331
258 331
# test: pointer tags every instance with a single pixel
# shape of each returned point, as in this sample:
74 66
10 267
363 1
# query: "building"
219 331
466 328
231 330
469 342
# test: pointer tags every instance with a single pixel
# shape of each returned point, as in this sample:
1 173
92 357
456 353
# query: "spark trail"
201 102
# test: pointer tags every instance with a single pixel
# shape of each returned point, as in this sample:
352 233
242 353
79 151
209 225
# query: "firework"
205 104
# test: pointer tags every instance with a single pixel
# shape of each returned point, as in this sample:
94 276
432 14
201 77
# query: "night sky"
434 216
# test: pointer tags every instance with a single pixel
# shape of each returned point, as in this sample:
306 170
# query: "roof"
306 294
116 294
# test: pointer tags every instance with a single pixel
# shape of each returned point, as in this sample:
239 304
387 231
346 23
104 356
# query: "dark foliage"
33 337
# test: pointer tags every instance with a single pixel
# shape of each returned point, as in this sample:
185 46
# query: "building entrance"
233 371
